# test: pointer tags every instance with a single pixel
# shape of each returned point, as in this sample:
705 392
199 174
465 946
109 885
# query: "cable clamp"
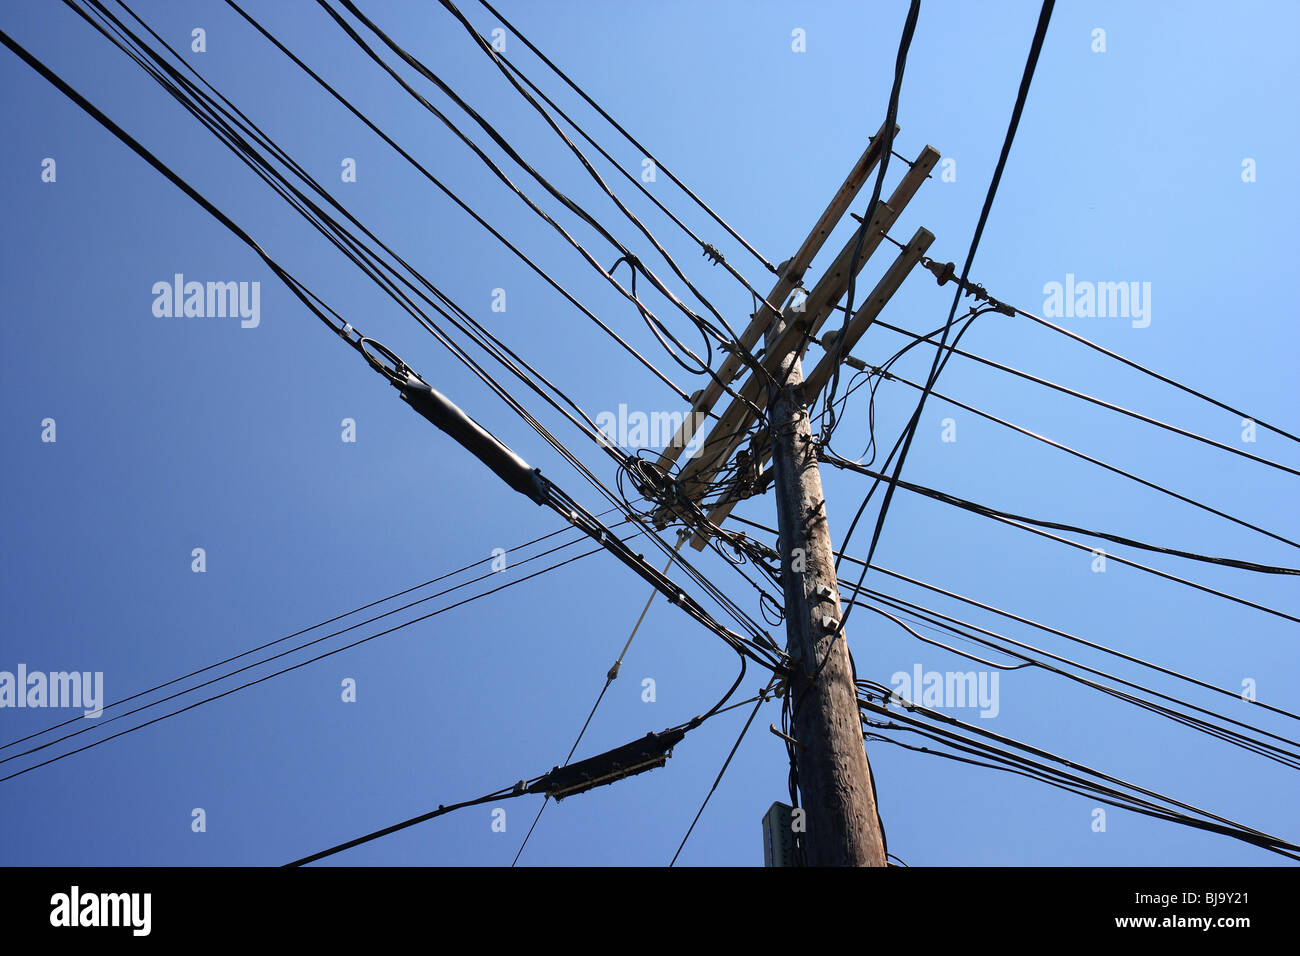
711 252
398 373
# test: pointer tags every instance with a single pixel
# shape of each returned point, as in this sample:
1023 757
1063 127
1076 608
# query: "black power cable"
1101 402
941 357
298 633
980 509
1083 456
629 137
762 698
1045 628
1185 813
923 616
292 667
891 118
1156 375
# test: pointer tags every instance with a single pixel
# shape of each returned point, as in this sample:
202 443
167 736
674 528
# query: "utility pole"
843 827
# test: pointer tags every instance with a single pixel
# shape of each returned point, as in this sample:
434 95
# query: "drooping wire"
629 137
610 677
704 365
1185 813
985 510
1283 755
762 698
940 358
891 118
1045 628
1083 456
492 55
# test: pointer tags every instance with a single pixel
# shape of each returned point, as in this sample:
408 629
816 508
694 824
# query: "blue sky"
183 433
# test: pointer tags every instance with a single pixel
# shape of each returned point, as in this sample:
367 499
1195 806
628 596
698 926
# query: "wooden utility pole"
843 828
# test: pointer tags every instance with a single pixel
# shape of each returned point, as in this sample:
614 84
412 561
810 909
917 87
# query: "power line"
505 793
940 359
1156 375
206 110
924 615
1005 519
709 250
602 769
651 320
987 511
263 170
285 670
610 677
298 633
1139 416
891 118
944 272
629 137
423 170
266 660
560 501
1029 622
762 697
1012 763
1083 456
487 50
1203 819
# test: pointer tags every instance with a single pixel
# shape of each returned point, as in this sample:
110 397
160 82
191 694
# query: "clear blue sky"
181 433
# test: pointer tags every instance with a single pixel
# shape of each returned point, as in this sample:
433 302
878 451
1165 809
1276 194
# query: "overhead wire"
219 120
659 165
705 364
298 633
1287 756
999 759
762 698
521 788
277 673
1074 393
508 398
981 509
941 358
610 677
1186 813
1153 374
887 149
1029 622
1083 456
567 505
337 330
424 171
709 250
485 47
